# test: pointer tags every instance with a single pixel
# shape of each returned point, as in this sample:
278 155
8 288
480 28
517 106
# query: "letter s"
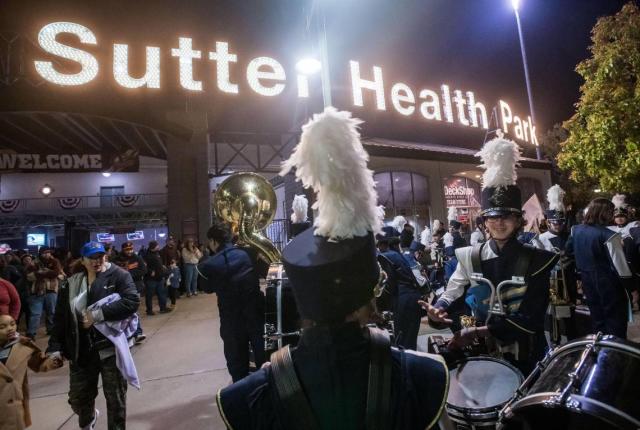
47 40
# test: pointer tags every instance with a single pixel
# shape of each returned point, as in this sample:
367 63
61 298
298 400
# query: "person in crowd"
478 235
629 232
452 241
9 271
16 354
154 279
230 270
9 299
603 269
407 236
75 337
137 268
519 332
44 294
331 374
112 253
405 292
191 256
173 281
25 285
169 252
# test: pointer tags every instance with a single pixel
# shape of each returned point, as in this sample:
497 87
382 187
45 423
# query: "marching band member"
478 235
603 268
341 375
519 332
299 221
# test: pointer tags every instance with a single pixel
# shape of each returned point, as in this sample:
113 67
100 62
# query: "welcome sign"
267 77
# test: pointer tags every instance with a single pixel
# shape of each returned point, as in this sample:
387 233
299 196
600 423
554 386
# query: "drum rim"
488 409
608 341
588 406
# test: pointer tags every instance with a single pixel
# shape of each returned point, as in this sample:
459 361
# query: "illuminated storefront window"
406 194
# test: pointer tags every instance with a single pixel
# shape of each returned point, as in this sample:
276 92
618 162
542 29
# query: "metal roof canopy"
64 132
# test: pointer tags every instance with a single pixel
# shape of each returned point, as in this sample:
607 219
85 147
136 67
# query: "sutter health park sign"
267 77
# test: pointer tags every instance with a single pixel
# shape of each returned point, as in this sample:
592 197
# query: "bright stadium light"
308 66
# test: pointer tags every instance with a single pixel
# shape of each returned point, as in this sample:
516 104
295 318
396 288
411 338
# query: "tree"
603 146
578 193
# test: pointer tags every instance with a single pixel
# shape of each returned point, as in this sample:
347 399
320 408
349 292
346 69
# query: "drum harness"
518 278
296 410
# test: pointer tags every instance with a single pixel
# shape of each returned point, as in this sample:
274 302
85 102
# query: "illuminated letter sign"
47 40
266 77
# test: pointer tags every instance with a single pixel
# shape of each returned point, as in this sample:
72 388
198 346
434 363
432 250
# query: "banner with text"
127 161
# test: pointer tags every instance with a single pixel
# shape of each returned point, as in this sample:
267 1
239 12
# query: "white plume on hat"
300 205
437 225
330 159
619 201
499 159
425 236
452 215
555 197
398 223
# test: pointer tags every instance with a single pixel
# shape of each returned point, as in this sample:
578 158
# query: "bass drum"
479 387
589 384
282 322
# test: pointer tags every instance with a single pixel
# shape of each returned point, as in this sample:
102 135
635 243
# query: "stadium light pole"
516 6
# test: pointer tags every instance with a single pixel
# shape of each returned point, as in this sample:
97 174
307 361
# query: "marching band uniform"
563 272
630 233
406 311
478 234
604 272
520 332
341 376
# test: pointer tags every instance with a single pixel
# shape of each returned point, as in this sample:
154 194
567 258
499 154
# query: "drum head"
481 383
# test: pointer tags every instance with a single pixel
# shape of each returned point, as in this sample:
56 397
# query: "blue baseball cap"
92 248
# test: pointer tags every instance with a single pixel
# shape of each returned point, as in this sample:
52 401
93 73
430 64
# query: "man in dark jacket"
154 279
137 268
75 338
240 301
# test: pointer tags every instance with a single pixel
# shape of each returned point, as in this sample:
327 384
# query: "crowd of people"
344 372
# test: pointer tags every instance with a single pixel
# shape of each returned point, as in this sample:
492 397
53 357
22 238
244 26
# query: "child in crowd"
173 281
16 354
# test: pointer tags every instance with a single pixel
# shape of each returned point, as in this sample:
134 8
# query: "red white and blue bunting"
69 202
127 200
7 206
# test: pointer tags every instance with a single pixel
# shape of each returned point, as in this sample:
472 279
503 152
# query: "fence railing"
47 204
278 232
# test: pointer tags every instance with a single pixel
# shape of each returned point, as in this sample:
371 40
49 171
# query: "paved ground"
181 366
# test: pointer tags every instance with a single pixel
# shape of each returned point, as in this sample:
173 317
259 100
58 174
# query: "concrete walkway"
181 366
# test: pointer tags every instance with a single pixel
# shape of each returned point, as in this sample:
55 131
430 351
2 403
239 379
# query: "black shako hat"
500 194
330 279
501 201
332 267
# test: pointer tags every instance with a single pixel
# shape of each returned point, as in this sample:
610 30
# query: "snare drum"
592 383
479 387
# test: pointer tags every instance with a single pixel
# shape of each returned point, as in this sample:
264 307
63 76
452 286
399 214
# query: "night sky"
468 44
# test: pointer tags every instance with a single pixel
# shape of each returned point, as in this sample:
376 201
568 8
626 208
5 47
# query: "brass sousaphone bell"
248 202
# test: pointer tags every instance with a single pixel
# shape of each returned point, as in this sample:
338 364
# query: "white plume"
300 205
425 236
330 159
619 201
447 239
398 223
437 225
499 159
555 197
452 215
